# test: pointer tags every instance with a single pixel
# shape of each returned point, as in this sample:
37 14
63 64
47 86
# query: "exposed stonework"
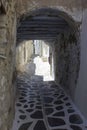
74 12
66 56
72 7
7 55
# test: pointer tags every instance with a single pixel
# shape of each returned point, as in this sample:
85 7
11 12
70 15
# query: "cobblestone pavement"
44 106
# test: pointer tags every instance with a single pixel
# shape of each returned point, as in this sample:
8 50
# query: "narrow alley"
43 105
47 55
43 64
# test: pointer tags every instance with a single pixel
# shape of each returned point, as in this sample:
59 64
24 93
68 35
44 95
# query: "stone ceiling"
41 25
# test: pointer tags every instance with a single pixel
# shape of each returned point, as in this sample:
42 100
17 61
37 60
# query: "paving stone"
29 110
39 107
74 127
48 99
62 114
31 105
61 96
56 122
65 99
23 101
59 108
18 104
68 104
21 111
47 105
71 110
49 111
25 106
40 125
22 117
75 119
58 102
37 115
60 129
25 126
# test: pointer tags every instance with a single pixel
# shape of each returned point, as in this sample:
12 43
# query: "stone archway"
73 13
72 8
66 44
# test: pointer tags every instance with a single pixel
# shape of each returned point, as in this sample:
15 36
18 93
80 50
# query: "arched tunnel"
45 104
59 31
43 65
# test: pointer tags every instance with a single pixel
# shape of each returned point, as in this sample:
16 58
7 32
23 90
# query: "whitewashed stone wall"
24 53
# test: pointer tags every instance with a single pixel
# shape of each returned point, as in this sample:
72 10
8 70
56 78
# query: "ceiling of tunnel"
41 26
